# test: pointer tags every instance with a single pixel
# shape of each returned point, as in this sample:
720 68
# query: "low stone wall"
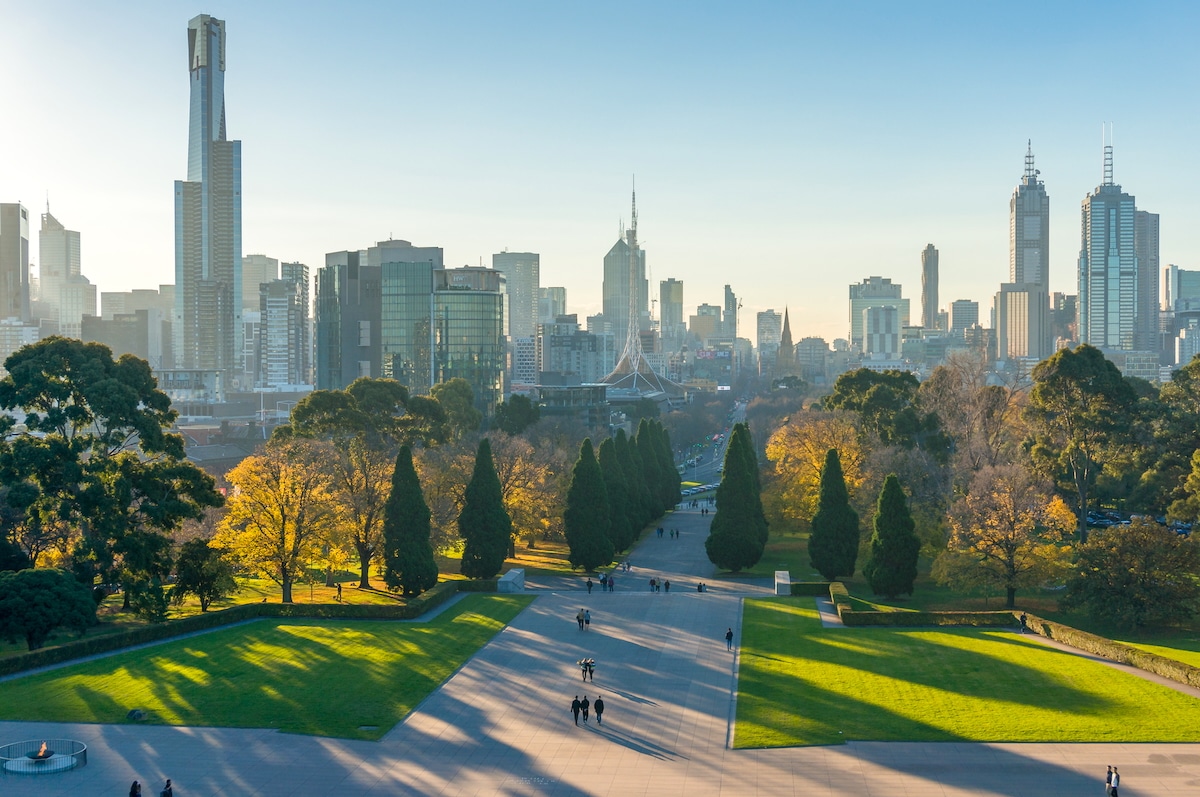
512 581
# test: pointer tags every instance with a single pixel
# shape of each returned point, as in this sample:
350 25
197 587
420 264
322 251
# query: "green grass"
802 684
326 678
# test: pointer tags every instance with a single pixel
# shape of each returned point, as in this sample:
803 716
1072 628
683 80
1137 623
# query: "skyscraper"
406 314
208 217
14 261
929 287
297 273
1112 285
873 292
616 287
522 270
770 331
670 304
468 317
347 320
964 314
256 269
552 302
64 295
1022 307
731 313
1145 244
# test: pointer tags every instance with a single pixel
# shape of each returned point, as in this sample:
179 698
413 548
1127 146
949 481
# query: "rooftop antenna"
1030 172
1108 154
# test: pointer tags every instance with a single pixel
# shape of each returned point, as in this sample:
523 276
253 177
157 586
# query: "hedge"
814 588
841 599
1115 651
236 614
477 585
902 619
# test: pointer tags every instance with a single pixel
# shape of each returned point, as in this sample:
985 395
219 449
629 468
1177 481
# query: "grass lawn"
803 684
320 677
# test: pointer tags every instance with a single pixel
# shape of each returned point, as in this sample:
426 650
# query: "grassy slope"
803 684
326 678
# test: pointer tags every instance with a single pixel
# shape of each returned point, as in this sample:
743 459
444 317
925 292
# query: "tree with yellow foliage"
798 448
1007 531
281 512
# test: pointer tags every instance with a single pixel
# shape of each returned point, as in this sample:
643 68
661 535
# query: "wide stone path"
502 725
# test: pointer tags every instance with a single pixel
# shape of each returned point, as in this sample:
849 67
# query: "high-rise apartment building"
964 314
207 326
616 287
731 314
347 320
522 272
65 296
873 292
1114 298
468 341
1180 285
1022 321
14 261
770 331
281 344
256 269
929 287
297 273
552 302
670 304
406 312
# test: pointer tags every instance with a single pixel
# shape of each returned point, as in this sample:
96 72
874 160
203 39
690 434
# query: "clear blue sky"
787 149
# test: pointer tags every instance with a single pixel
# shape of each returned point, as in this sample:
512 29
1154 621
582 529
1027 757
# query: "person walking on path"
339 586
1108 780
1024 623
587 620
611 584
667 585
729 639
135 790
591 669
603 582
589 585
583 669
583 706
1116 781
575 707
579 619
599 706
167 791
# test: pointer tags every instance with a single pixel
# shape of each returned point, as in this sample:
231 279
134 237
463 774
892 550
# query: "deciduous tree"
1136 576
833 544
281 511
516 415
202 570
892 568
458 400
1010 528
798 450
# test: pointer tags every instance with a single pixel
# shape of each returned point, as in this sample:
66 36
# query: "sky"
787 149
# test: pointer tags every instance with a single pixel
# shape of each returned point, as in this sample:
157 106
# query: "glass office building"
468 313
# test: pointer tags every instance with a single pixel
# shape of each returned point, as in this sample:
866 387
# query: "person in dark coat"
599 706
167 790
589 586
135 790
575 707
584 705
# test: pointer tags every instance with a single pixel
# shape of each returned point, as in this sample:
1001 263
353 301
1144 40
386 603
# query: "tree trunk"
287 589
329 582
364 564
1010 597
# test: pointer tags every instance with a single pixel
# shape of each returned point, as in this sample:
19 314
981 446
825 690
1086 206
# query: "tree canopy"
484 523
35 602
586 520
408 556
735 537
516 415
202 570
892 568
833 543
458 400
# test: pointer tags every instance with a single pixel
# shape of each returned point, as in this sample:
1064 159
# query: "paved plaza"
502 725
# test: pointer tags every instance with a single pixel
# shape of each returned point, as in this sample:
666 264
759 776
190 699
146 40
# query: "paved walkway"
502 725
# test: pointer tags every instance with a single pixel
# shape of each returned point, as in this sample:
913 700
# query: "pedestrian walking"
1116 782
1108 780
603 582
591 669
652 585
575 707
589 585
667 585
582 669
583 706
611 584
587 620
579 619
1024 623
339 586
167 791
599 706
135 790
729 639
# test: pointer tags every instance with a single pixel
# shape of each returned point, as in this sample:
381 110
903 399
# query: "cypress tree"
734 541
833 544
670 476
746 443
484 522
586 519
619 530
892 568
638 477
650 468
407 554
636 505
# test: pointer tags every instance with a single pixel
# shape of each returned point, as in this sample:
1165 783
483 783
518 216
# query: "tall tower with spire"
207 324
1022 306
1112 311
632 371
785 357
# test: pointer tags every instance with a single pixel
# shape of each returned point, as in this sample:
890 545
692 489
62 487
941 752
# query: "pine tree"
833 544
620 532
639 515
586 519
892 568
733 540
484 522
408 556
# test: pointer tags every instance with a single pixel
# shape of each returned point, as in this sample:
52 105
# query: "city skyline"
805 157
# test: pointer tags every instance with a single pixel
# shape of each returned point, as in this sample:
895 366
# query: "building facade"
616 287
347 320
469 341
14 261
522 273
873 292
207 324
670 304
929 287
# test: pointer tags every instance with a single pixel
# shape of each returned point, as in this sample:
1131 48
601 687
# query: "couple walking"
581 706
584 618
